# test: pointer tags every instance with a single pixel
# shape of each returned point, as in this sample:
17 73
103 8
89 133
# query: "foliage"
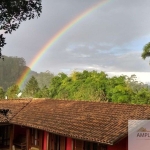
43 93
12 91
31 88
2 93
10 70
141 97
146 51
86 85
13 12
97 86
44 78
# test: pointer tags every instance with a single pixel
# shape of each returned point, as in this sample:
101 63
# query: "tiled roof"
92 121
14 107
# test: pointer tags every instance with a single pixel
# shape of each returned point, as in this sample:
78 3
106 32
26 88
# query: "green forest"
85 85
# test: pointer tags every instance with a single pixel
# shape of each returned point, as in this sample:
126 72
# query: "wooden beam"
62 143
40 139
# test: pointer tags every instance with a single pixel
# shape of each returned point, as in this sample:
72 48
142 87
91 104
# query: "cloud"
110 38
141 76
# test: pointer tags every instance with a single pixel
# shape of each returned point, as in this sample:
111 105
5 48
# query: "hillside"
12 68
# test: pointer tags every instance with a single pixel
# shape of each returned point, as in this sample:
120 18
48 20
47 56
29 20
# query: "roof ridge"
86 101
20 110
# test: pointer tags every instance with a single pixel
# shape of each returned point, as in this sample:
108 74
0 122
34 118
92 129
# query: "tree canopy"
13 12
12 91
11 70
98 86
31 88
2 93
146 51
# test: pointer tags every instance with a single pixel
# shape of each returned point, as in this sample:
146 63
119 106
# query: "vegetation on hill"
98 86
12 68
86 85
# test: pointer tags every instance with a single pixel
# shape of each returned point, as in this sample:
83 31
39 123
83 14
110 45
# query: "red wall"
45 141
122 145
69 144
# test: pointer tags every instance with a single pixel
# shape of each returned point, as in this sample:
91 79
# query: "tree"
11 70
55 85
13 12
44 78
12 91
121 94
43 93
142 96
146 51
31 88
2 93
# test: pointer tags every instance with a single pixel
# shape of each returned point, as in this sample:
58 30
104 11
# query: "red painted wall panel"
45 141
69 144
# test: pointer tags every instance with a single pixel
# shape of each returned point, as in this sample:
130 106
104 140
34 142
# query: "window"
4 135
35 137
56 142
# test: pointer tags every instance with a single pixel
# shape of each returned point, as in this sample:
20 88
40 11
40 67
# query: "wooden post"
11 136
45 140
91 146
79 145
40 139
28 138
62 143
52 141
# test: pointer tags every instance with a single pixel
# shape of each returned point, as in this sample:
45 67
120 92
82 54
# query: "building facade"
45 124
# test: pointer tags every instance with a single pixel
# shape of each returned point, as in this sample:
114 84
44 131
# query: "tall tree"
13 12
31 88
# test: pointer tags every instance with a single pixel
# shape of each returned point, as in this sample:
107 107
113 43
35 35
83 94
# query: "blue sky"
110 39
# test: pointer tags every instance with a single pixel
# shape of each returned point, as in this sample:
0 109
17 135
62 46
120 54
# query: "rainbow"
56 37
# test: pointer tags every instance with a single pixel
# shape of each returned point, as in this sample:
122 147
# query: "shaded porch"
4 135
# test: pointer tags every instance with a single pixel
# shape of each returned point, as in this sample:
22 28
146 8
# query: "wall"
69 144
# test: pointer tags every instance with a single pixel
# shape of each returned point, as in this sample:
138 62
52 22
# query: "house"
46 124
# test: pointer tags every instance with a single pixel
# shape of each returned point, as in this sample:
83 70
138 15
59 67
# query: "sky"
110 38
